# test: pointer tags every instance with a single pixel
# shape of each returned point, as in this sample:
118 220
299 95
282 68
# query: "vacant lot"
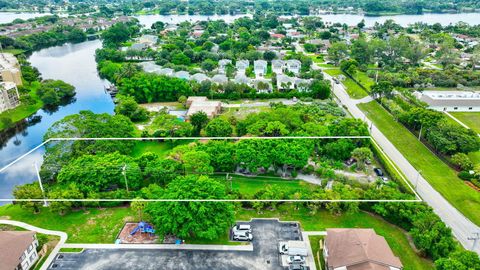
353 89
436 172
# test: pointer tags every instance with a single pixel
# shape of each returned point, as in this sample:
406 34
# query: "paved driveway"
266 234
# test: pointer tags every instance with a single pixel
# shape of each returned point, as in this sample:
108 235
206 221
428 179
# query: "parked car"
239 228
378 172
297 267
243 236
295 260
292 248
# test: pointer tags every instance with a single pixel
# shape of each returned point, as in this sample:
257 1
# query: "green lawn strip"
317 252
160 148
71 250
13 51
474 157
395 237
438 174
363 79
23 110
250 185
471 119
91 226
353 89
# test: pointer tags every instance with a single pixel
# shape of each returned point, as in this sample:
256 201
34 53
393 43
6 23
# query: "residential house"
166 71
359 249
277 36
293 65
242 65
277 66
199 77
9 97
222 64
260 68
18 250
302 85
10 69
262 85
148 40
138 47
285 82
461 101
182 74
219 79
240 78
202 104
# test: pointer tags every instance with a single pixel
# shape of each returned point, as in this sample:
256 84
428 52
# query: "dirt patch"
139 237
470 184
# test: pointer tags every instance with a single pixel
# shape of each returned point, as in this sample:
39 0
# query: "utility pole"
45 204
124 172
475 238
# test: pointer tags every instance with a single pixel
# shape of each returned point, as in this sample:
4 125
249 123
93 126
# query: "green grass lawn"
363 79
250 185
437 173
395 237
14 51
92 226
317 252
23 110
160 148
353 89
471 119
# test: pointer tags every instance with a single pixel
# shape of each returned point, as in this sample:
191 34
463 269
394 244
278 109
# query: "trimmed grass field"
471 119
317 252
102 226
353 89
160 148
436 172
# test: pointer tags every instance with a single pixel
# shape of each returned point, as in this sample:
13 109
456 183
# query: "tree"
126 105
269 55
6 122
205 220
29 191
209 65
117 34
197 162
222 155
447 53
100 172
53 92
362 154
70 192
276 129
138 206
337 52
459 260
162 171
198 121
218 127
320 89
183 101
462 161
381 89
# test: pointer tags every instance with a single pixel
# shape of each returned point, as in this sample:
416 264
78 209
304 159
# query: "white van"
293 248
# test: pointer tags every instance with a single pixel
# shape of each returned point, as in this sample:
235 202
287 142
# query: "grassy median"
443 178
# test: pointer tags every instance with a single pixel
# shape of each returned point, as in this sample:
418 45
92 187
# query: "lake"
6 17
75 64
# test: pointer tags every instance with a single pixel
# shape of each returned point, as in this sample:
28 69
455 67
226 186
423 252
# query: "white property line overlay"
417 197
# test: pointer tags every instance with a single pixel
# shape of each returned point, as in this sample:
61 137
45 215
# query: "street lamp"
40 184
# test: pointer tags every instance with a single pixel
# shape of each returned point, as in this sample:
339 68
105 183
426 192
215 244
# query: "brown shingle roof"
12 245
359 249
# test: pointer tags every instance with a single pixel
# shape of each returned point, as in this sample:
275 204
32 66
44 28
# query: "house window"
470 108
32 258
29 248
455 108
23 257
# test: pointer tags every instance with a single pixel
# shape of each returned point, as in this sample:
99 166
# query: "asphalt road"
461 226
265 255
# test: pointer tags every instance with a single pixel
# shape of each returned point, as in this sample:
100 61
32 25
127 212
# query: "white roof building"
222 64
241 79
242 65
199 77
182 74
260 68
285 82
219 79
10 69
9 97
462 101
202 104
165 71
294 65
277 66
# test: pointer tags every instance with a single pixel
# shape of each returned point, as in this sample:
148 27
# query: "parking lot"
265 255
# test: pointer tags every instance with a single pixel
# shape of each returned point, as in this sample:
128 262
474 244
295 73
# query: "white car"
240 228
295 260
243 236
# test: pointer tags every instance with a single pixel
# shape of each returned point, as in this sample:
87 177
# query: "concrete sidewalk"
241 247
63 238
